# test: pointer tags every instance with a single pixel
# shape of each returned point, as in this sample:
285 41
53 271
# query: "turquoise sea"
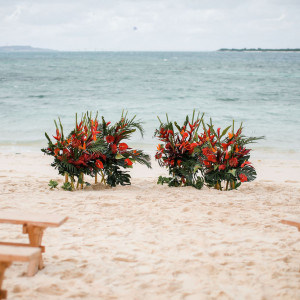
260 89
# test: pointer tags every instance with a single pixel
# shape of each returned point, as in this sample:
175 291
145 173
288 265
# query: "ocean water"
260 89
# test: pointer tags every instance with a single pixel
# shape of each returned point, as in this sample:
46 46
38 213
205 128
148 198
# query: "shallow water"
260 89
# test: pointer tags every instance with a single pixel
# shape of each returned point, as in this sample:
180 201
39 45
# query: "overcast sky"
188 25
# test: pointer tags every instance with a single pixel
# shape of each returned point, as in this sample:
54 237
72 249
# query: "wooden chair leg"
33 267
3 267
35 234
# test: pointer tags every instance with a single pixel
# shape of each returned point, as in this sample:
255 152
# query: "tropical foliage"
196 154
93 148
178 152
225 158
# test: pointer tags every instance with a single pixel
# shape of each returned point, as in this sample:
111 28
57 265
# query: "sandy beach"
148 241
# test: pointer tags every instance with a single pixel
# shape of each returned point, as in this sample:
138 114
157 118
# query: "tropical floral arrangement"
93 148
179 150
197 154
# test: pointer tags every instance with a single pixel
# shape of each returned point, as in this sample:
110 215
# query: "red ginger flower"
243 177
222 167
110 139
233 162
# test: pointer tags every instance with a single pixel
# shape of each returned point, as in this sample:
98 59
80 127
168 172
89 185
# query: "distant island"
260 50
23 49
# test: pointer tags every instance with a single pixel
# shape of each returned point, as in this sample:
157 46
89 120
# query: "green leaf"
225 131
196 168
53 184
232 172
67 186
119 156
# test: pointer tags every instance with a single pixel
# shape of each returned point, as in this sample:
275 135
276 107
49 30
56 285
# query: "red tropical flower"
207 163
243 177
158 155
99 164
128 162
211 158
110 139
245 163
123 147
222 167
56 151
227 155
184 135
113 148
233 162
58 136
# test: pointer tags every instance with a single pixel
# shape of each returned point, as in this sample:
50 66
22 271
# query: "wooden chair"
9 254
292 222
34 224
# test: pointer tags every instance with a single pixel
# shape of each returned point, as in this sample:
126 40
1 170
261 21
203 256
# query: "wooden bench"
34 225
292 222
8 254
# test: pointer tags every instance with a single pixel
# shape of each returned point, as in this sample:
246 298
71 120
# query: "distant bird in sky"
135 28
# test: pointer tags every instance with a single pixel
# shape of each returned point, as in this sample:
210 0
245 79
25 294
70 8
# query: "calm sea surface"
260 89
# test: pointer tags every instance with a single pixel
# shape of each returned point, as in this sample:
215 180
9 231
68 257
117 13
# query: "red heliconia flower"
123 147
211 158
56 151
179 162
245 163
58 136
110 139
193 146
170 132
225 146
222 167
113 148
128 162
99 164
206 151
184 135
218 131
227 155
233 162
243 177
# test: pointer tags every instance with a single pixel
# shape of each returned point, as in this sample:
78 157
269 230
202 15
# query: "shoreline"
264 153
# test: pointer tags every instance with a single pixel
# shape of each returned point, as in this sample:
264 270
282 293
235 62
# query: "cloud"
161 25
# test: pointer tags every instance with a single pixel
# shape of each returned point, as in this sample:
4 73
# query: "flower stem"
103 178
66 177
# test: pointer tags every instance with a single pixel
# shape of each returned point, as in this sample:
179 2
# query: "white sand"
147 241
